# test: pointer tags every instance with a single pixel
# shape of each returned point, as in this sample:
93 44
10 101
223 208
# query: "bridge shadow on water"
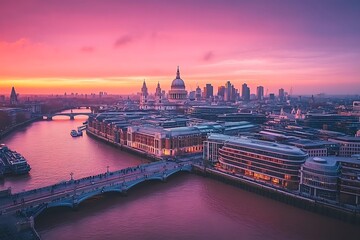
105 202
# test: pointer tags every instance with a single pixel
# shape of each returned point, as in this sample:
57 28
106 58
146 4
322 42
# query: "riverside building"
319 177
349 181
163 142
270 163
332 178
171 142
159 136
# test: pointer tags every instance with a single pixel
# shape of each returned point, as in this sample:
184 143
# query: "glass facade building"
319 178
270 163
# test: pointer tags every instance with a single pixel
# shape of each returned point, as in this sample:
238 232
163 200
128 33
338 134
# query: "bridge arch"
60 204
99 192
119 189
160 177
41 209
183 169
70 115
133 184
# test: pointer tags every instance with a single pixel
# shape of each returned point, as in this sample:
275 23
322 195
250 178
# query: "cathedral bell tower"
158 94
144 96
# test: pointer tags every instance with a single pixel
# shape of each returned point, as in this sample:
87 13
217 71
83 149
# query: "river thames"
187 206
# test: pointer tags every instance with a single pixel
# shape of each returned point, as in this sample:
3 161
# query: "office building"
270 163
332 178
208 91
260 93
245 93
221 92
348 145
281 95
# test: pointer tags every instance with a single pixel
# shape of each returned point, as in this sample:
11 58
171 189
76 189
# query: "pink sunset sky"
88 46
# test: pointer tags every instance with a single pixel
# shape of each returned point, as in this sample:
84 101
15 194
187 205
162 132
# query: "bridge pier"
49 118
75 206
75 202
72 117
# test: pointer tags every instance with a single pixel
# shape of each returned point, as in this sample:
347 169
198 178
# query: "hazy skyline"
92 46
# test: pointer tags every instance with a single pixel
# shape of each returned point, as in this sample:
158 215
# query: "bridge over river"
29 204
71 115
73 192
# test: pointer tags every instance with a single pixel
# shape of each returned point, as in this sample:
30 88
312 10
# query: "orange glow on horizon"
113 47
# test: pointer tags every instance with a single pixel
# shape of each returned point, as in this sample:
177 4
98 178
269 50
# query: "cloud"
123 41
21 43
87 49
208 56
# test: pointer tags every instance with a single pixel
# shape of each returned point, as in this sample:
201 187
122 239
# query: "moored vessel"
12 162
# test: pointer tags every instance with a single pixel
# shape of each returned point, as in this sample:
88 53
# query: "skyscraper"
221 92
229 93
272 96
234 93
281 95
245 93
209 91
260 93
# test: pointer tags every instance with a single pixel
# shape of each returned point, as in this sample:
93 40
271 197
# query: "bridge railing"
76 191
103 180
85 179
121 183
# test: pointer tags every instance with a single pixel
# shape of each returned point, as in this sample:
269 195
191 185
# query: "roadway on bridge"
72 188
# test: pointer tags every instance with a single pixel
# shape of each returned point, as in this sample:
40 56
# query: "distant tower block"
260 93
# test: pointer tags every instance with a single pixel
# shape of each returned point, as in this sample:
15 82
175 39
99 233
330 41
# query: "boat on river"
75 133
12 162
